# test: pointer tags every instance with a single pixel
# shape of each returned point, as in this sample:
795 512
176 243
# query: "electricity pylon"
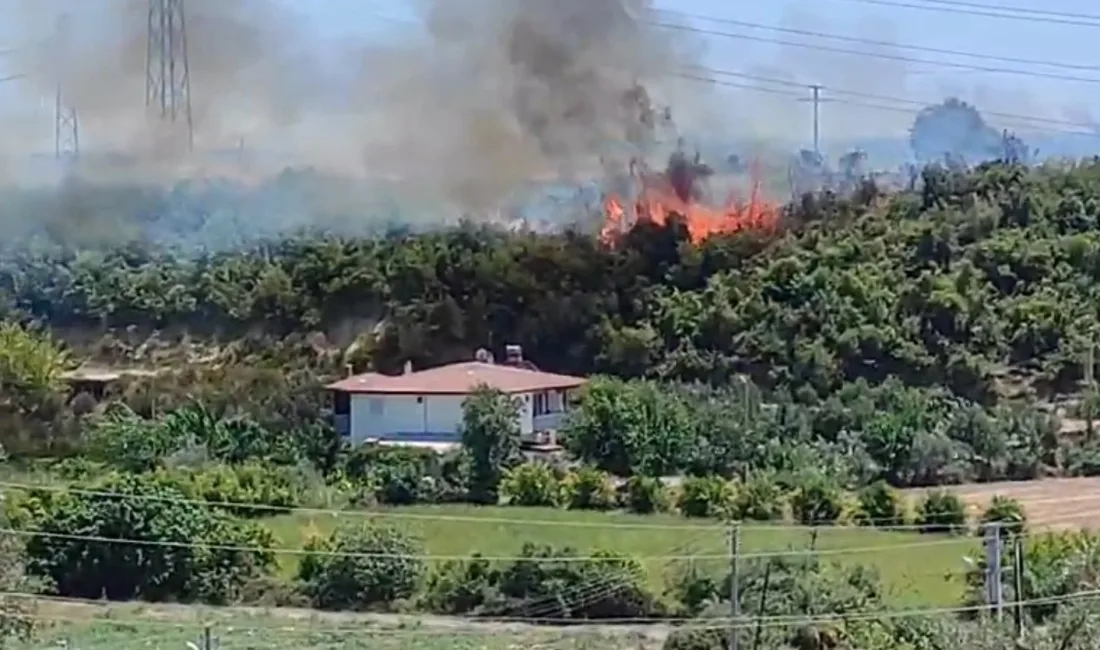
167 72
66 127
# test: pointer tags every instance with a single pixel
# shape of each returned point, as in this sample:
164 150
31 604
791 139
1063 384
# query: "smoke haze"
463 108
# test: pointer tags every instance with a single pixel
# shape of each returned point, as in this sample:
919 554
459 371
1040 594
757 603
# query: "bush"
644 495
880 505
532 484
709 496
462 587
123 439
590 489
759 499
544 583
1008 513
818 502
940 511
360 567
170 566
250 490
607 585
396 475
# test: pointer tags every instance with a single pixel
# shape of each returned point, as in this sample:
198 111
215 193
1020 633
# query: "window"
376 406
542 404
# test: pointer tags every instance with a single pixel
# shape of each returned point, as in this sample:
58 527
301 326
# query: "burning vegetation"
679 192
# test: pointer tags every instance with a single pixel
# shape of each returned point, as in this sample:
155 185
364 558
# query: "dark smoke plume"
498 92
467 108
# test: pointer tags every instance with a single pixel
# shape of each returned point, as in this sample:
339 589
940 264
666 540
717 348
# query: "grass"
124 626
917 570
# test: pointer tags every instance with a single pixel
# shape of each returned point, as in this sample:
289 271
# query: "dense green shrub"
165 561
880 505
630 428
590 489
760 498
532 484
396 475
552 583
1007 513
705 496
818 502
543 583
362 566
939 511
129 442
644 495
462 587
251 489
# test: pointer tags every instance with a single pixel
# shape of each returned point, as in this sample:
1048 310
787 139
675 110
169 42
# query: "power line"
1022 10
683 527
244 548
496 521
900 100
1089 129
1031 121
877 55
718 622
992 11
904 46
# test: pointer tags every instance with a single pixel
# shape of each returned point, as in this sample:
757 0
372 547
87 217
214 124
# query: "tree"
491 438
163 557
31 364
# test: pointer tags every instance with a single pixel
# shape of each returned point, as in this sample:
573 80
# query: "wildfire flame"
668 194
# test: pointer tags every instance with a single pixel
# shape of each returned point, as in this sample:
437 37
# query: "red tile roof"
457 379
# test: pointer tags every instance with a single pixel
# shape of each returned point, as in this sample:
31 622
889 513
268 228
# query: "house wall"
413 418
437 418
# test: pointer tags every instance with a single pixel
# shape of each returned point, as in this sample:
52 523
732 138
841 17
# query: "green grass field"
918 570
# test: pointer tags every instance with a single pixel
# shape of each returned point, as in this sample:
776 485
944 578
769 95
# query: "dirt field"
1051 503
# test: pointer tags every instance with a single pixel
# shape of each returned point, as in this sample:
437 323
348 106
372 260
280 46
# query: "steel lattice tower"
167 73
66 127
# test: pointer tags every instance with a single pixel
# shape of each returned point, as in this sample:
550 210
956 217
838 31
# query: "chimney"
350 369
408 367
513 355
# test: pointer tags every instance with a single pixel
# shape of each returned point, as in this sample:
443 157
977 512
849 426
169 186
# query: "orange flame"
658 202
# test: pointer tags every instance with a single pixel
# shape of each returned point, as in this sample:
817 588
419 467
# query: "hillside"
793 379
975 277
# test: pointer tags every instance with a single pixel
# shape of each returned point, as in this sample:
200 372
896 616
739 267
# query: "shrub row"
759 498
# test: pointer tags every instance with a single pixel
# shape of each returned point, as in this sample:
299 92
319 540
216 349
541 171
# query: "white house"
425 407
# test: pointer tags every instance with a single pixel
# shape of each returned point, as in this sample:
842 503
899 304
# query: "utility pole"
167 71
817 100
1089 398
1018 583
994 576
735 595
66 127
816 90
